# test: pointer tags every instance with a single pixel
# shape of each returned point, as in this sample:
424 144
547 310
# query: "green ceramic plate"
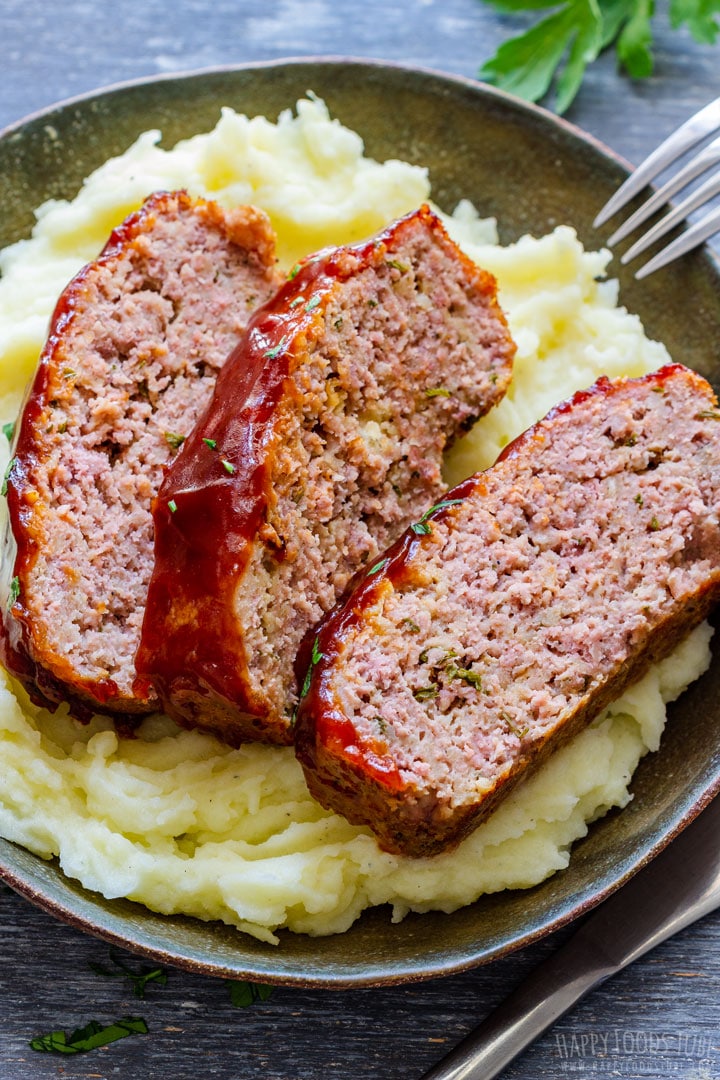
532 171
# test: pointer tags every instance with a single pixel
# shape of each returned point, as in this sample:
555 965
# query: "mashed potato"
177 820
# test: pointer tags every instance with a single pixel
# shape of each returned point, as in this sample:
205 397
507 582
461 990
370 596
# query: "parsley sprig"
139 978
559 47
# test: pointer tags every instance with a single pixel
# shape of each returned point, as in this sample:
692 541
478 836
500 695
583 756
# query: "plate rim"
380 975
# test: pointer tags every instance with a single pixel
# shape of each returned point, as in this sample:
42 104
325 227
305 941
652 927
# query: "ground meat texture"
323 441
135 345
509 617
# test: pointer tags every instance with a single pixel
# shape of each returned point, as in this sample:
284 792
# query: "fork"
698 127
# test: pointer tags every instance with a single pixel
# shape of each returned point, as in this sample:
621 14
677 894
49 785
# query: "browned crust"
360 780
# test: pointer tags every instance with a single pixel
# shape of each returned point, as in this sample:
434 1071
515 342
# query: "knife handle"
678 886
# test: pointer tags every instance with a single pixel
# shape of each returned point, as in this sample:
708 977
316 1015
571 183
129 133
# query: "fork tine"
698 198
703 230
692 131
705 159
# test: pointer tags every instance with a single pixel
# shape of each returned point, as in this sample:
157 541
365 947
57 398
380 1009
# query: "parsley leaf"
6 477
634 44
14 591
139 979
699 16
526 64
315 658
272 354
243 994
90 1037
559 47
9 430
421 527
174 440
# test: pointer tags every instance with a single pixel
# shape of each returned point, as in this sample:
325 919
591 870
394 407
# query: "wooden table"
661 1018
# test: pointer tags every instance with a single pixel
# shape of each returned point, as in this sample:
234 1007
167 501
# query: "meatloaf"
323 441
508 616
135 344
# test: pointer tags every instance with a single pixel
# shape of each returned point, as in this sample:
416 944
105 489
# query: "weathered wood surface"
661 1018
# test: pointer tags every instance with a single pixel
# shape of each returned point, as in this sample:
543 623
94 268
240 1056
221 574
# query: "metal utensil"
679 886
698 127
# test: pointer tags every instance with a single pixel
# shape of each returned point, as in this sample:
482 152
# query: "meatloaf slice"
135 344
323 441
510 615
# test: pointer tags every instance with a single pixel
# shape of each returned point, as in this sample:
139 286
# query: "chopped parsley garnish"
139 979
519 733
174 441
654 524
312 303
315 657
243 994
707 414
6 477
372 303
9 431
62 428
402 267
172 506
425 693
212 443
474 678
227 466
14 591
437 391
89 1037
306 683
377 567
421 527
271 354
639 499
380 721
412 626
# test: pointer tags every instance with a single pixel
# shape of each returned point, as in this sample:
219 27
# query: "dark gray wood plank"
659 1019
